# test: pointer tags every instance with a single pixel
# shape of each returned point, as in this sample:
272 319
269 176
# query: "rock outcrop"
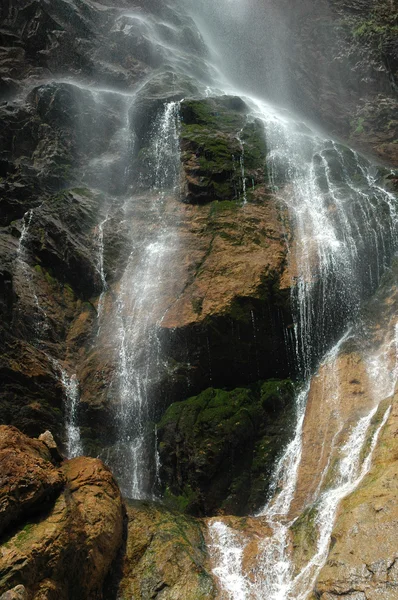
61 526
165 557
362 561
85 89
362 556
217 449
29 480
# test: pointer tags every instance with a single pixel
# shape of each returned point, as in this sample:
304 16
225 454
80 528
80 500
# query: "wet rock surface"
362 555
82 87
55 521
217 449
165 557
362 560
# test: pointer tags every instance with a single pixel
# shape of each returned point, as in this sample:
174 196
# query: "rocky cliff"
119 158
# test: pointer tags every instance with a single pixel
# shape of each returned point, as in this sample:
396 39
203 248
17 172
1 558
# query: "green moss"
221 206
82 192
69 291
197 305
216 135
222 444
239 311
42 234
305 533
373 29
180 502
274 392
357 126
198 111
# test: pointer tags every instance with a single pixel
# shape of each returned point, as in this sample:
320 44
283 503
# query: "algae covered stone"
217 449
223 151
165 556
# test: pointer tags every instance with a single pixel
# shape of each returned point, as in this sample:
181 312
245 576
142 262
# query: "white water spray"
137 316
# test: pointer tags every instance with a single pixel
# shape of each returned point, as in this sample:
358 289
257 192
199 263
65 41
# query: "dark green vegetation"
217 449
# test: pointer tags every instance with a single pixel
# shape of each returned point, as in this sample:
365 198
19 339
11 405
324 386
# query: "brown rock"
48 439
362 562
339 394
67 552
17 593
28 480
165 556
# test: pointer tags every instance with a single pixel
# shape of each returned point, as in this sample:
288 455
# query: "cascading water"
344 225
137 314
345 236
74 445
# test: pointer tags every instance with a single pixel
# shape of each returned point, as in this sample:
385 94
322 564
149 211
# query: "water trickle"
74 445
345 229
26 221
242 166
41 326
22 264
101 270
255 341
345 226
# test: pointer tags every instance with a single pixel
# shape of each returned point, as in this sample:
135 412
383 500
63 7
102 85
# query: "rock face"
85 89
56 521
217 449
29 479
345 76
220 146
362 555
165 557
362 562
68 164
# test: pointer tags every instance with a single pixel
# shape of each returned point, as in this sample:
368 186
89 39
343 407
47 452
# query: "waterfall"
123 147
139 310
345 236
74 445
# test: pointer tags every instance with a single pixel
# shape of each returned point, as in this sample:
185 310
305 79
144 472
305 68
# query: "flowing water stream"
137 315
345 236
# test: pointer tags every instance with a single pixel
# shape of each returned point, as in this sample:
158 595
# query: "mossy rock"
165 551
223 150
217 449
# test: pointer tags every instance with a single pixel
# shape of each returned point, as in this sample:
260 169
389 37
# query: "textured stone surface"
29 480
362 562
217 449
165 556
66 549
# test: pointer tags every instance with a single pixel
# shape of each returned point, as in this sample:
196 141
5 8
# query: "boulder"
29 480
223 152
66 549
17 593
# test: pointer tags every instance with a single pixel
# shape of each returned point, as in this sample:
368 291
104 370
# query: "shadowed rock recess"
154 339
